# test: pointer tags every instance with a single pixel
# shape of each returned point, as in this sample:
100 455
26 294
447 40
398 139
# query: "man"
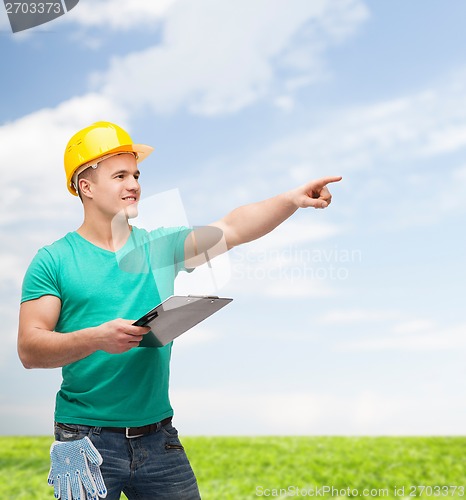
113 416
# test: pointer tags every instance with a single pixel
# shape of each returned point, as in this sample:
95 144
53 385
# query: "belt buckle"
131 437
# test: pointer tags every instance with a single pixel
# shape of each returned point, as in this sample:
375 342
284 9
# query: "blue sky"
345 321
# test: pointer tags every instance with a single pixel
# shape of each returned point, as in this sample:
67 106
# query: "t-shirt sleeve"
179 239
41 278
168 248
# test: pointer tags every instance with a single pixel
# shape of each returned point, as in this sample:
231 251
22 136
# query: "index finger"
327 180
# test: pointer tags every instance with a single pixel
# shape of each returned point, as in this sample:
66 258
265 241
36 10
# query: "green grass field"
280 467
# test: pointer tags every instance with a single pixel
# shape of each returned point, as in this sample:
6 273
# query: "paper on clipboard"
176 315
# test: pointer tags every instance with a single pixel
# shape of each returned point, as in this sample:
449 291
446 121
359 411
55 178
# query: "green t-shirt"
95 286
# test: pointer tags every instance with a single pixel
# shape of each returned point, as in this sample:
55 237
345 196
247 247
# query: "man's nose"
133 184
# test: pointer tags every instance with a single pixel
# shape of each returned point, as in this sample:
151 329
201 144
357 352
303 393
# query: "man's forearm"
249 222
46 349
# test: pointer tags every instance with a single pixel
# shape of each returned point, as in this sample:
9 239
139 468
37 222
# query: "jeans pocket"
169 430
172 443
70 432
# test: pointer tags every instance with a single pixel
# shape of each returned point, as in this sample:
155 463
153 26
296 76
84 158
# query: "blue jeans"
144 468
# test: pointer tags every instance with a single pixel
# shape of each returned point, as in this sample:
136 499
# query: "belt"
134 432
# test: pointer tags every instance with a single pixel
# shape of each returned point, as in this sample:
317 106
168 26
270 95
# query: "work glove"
74 472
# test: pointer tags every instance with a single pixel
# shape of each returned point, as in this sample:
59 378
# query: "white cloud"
8 265
211 67
356 316
289 284
414 326
459 174
119 14
416 335
285 103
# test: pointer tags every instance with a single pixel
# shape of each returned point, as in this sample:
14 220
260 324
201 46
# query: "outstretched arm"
250 222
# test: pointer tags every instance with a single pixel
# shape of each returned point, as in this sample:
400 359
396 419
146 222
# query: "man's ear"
85 188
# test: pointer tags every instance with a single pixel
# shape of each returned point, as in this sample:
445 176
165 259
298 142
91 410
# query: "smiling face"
113 186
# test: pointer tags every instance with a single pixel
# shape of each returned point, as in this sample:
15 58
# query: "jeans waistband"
133 432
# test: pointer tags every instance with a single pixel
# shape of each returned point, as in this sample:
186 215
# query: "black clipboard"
176 315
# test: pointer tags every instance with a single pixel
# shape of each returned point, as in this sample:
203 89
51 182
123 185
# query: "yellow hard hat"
101 139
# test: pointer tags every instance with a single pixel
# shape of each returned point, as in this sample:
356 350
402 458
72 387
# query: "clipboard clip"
146 319
204 296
